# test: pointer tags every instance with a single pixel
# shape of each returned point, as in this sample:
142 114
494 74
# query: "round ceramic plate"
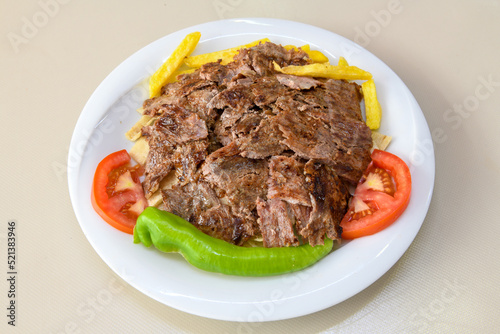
168 278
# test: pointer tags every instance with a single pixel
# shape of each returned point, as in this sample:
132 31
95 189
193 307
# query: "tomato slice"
382 194
117 195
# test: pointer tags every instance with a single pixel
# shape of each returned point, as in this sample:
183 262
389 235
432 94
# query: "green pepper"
170 233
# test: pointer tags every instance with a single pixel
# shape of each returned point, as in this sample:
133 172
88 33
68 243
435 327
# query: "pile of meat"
257 153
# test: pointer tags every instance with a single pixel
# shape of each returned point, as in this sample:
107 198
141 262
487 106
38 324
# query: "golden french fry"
162 75
323 70
139 152
372 106
314 55
254 242
155 199
225 55
135 131
317 56
380 141
342 62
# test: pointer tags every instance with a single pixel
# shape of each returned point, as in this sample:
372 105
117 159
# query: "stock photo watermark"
126 106
225 6
484 89
421 319
381 19
31 25
89 309
10 234
455 116
277 297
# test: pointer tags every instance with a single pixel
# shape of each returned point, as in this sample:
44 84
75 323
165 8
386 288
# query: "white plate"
110 112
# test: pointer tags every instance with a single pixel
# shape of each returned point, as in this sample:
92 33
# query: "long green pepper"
170 233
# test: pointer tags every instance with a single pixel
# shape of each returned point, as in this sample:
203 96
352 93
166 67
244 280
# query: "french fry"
225 55
156 199
162 75
139 152
380 141
342 62
323 70
372 106
135 131
314 55
317 56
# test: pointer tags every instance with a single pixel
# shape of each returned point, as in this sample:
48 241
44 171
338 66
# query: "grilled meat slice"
198 203
296 82
287 181
341 142
241 180
311 197
178 138
276 223
329 203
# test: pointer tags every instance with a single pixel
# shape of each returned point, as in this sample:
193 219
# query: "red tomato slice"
117 194
382 194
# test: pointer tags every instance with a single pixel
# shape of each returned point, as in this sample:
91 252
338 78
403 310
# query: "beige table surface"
447 52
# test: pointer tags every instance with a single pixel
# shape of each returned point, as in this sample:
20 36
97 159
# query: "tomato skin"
111 208
388 208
